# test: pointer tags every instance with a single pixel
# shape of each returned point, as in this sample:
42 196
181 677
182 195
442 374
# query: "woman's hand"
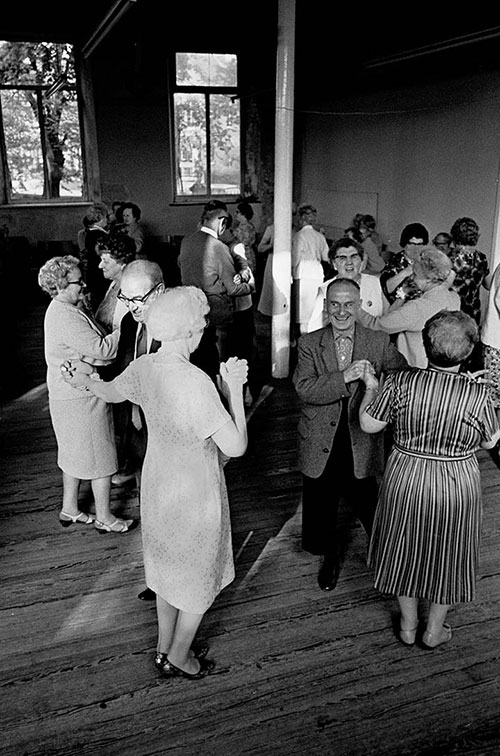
76 373
369 377
478 376
232 376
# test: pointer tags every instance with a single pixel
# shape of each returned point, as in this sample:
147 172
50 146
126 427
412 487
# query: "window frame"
196 199
88 142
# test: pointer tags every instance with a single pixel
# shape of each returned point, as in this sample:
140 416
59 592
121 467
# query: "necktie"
142 347
142 340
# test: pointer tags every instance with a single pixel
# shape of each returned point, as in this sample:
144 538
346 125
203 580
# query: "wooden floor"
298 671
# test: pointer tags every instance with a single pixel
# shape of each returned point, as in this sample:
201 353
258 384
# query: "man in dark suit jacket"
205 261
335 456
141 284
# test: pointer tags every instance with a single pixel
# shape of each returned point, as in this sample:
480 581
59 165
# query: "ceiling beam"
105 26
436 47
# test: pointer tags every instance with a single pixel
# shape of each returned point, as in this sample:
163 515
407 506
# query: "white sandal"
118 526
82 517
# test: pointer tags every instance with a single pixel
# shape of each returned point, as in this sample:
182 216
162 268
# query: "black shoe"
328 574
147 595
167 669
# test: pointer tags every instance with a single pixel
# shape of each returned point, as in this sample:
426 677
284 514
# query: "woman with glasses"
185 519
83 424
347 257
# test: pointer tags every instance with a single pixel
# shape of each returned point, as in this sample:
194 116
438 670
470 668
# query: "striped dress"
425 540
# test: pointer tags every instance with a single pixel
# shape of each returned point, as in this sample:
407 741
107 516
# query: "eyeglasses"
80 283
347 258
139 301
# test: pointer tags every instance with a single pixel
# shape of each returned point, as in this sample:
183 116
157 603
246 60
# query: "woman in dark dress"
425 540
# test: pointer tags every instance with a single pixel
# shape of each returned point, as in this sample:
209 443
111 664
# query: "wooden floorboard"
298 671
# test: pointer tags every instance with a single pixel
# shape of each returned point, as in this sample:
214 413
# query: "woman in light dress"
82 423
185 522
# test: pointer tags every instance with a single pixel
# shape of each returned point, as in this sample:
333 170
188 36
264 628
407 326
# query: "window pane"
40 63
64 155
206 70
224 145
190 144
22 142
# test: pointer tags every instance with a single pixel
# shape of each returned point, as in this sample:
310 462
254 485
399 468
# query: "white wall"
428 154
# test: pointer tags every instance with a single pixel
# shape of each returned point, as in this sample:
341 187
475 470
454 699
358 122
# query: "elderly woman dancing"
83 424
425 539
186 529
432 276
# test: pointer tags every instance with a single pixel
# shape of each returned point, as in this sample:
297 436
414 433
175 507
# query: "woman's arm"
490 444
78 376
369 424
232 438
393 283
266 243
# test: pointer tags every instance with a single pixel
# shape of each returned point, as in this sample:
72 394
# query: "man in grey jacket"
205 261
335 457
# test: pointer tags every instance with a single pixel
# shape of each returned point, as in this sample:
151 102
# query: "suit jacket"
126 348
207 263
320 385
132 441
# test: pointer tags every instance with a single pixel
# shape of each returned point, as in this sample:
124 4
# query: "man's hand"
357 370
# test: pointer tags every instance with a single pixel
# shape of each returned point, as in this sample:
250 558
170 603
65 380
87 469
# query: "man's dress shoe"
328 573
147 595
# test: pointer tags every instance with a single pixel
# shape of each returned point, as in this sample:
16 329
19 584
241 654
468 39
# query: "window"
206 114
40 132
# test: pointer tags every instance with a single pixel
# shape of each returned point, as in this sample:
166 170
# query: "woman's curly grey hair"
53 275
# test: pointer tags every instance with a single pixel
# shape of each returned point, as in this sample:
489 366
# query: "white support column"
283 189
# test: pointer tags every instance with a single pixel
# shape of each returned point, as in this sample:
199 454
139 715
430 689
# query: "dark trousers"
206 356
321 496
242 344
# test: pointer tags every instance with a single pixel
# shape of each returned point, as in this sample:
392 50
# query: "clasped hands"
232 376
361 370
75 372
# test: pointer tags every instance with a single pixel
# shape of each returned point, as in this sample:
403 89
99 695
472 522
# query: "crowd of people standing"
390 373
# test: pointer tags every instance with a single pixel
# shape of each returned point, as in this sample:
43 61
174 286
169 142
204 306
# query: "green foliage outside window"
40 121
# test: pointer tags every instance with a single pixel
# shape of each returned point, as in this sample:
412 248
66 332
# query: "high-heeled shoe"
163 665
432 640
82 517
168 669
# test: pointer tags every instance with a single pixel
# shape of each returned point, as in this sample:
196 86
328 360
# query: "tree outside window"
40 139
206 126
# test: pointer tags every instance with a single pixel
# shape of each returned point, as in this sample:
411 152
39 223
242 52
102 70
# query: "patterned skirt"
426 533
492 364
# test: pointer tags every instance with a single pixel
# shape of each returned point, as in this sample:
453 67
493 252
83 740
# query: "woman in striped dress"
425 540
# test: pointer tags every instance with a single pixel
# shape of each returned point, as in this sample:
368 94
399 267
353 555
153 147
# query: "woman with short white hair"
186 530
